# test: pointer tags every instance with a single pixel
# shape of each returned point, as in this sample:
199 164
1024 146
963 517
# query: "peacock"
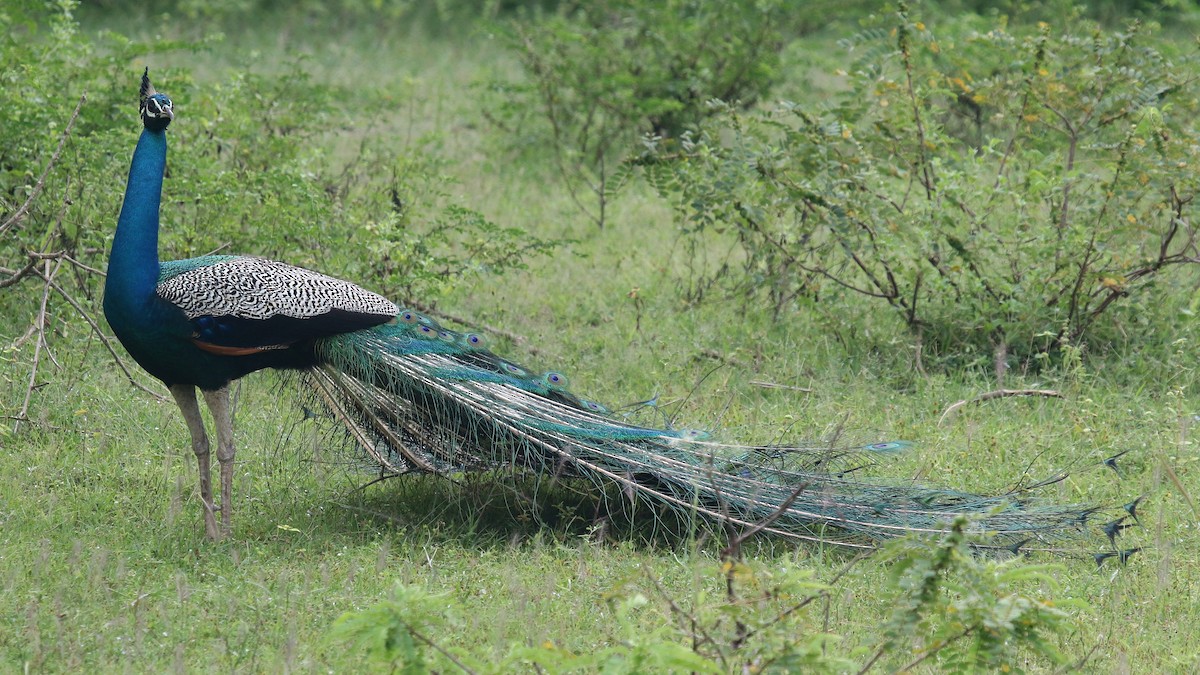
417 397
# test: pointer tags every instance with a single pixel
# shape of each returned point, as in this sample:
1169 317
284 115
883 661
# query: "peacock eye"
555 379
594 407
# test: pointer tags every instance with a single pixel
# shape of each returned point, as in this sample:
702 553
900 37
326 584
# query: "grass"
104 567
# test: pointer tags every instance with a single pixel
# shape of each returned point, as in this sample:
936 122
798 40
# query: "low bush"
997 192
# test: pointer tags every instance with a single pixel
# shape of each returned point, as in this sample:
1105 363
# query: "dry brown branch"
39 342
733 550
62 255
20 342
999 393
100 334
14 276
15 218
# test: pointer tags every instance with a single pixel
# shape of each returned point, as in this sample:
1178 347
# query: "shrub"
600 74
995 191
245 173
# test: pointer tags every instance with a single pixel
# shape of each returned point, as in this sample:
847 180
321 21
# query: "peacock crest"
156 109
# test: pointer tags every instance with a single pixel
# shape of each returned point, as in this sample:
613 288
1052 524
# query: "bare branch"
734 546
39 342
16 217
100 334
17 275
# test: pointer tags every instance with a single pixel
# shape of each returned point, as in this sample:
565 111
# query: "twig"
20 342
103 338
875 657
775 385
62 255
735 546
41 182
1183 492
462 666
1078 665
999 393
696 626
718 356
17 275
862 555
37 346
942 644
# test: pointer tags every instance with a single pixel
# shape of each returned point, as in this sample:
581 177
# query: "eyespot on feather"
593 407
513 369
555 380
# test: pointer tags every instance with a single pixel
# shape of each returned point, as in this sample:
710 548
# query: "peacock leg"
218 403
185 398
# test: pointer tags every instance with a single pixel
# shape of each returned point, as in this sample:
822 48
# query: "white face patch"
156 107
257 288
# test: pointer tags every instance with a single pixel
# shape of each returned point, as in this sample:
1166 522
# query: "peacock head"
156 109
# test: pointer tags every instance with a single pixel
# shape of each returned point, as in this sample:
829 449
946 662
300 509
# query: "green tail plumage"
420 398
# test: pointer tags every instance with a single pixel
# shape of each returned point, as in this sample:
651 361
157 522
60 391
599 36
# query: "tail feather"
420 398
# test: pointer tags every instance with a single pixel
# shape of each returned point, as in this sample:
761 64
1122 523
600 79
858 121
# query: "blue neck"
133 264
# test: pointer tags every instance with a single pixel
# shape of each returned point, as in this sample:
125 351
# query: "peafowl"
417 397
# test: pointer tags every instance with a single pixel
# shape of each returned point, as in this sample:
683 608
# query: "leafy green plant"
601 74
966 612
420 243
999 193
394 631
245 174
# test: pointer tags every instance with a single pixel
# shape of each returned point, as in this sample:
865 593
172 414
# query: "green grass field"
103 562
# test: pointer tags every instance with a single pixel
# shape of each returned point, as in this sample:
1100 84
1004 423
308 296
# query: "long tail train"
420 398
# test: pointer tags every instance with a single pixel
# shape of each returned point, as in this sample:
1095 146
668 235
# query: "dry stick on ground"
16 217
718 356
774 385
999 393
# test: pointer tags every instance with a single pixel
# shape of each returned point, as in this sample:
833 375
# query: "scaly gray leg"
218 403
185 398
